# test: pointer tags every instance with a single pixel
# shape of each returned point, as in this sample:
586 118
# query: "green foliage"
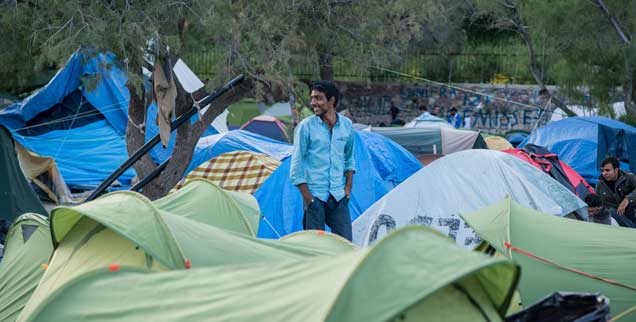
576 45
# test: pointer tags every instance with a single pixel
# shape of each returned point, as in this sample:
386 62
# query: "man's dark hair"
611 160
453 109
327 87
593 200
423 108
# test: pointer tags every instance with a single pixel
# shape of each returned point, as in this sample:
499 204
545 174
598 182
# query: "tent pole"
152 142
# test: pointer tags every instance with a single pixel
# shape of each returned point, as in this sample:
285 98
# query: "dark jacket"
603 216
625 187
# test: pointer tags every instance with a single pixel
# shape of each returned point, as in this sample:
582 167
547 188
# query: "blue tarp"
381 163
583 142
80 118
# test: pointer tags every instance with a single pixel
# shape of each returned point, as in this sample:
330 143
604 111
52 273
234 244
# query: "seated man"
598 213
617 190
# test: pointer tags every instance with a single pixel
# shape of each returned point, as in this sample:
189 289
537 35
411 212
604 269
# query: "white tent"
460 182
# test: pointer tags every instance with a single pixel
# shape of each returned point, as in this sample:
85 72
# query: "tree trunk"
522 30
325 61
135 130
626 39
187 137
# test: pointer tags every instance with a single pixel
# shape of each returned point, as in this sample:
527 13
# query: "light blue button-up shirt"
321 157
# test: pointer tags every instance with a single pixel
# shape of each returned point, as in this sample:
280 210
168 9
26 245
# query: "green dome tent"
531 238
28 247
414 274
126 229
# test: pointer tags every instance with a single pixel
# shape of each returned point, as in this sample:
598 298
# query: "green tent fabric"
125 228
414 274
235 211
28 246
604 251
16 195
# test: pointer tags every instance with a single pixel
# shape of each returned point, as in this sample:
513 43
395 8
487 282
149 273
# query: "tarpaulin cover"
584 141
592 250
414 275
381 165
463 181
79 118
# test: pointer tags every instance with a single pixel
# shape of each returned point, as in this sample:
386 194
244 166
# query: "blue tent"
583 142
381 163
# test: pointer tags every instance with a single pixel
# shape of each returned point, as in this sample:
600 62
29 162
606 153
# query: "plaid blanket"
235 171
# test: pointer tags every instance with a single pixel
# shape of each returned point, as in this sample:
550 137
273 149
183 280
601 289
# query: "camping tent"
381 165
238 140
242 171
558 254
428 120
28 247
495 142
549 163
79 119
583 142
463 181
413 275
194 227
432 140
268 126
16 195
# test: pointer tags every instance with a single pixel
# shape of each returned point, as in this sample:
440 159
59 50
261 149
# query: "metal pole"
152 142
155 172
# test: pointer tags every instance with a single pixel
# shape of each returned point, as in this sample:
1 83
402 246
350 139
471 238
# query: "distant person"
467 122
322 163
394 111
436 110
424 112
454 119
598 213
617 190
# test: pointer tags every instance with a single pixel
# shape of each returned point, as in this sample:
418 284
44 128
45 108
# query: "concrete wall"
370 104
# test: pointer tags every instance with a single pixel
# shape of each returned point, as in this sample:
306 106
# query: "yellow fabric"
497 143
241 171
165 92
34 165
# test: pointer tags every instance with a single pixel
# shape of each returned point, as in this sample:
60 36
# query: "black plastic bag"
566 307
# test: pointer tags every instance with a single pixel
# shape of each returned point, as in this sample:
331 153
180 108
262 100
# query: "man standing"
617 190
322 164
454 119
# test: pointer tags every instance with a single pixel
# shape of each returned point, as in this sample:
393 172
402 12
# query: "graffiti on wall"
489 107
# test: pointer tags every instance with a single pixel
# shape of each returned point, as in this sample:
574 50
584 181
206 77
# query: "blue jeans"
334 213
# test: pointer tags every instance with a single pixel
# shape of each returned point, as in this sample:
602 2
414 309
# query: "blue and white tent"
381 163
583 142
79 118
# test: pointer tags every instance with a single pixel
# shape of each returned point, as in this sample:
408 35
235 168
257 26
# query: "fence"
478 67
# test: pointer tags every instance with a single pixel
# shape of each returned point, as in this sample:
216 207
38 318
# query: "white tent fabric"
460 182
457 140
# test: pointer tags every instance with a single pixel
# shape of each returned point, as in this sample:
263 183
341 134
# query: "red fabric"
574 178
